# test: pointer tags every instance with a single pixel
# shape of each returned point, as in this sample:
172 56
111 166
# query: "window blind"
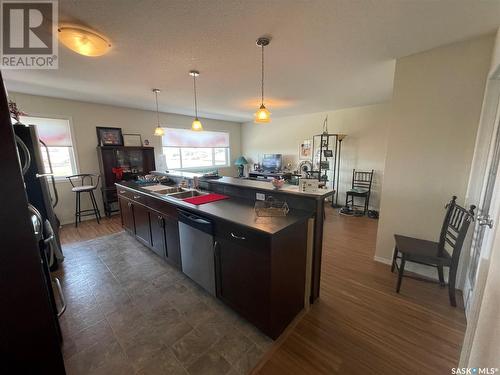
54 132
189 138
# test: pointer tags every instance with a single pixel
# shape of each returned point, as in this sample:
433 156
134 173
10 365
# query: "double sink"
173 192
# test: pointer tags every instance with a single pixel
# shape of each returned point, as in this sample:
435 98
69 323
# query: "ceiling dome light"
196 125
159 132
83 41
263 115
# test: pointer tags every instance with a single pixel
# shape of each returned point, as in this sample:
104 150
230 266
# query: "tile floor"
129 312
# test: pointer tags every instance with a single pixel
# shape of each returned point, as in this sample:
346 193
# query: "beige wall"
363 148
436 107
86 116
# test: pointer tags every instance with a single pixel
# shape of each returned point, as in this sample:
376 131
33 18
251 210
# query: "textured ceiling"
324 54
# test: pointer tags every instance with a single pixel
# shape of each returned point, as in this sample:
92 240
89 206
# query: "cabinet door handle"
137 196
161 221
238 237
129 204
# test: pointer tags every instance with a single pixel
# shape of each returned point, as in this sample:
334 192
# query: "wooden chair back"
455 226
362 179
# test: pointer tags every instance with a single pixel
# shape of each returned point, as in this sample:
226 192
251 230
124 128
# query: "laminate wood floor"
359 325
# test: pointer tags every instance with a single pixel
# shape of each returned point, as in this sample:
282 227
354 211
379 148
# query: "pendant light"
262 115
196 125
159 130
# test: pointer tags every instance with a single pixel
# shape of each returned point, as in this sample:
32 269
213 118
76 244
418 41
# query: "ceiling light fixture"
83 41
262 115
159 132
196 125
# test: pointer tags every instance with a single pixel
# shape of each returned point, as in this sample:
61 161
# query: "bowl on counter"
277 183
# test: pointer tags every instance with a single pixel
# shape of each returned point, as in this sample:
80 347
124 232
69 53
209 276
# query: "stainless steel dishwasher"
197 249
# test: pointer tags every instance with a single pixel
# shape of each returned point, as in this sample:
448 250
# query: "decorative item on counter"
277 183
240 163
305 150
271 207
109 136
15 112
308 185
118 172
256 167
132 140
212 175
304 168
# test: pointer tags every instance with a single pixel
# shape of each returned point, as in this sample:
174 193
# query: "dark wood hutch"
130 161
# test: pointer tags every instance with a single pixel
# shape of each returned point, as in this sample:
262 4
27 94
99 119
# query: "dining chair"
444 253
361 187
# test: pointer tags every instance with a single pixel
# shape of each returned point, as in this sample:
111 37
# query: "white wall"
436 107
363 148
86 116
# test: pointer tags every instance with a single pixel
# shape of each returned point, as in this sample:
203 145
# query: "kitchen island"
262 264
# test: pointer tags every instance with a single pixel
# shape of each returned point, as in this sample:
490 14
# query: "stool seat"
83 188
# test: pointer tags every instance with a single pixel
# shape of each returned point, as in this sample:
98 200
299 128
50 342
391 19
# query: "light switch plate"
260 197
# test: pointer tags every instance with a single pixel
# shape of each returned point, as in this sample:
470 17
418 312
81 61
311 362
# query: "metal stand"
328 142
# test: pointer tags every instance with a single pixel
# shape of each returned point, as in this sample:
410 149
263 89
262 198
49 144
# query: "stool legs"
94 205
79 211
77 208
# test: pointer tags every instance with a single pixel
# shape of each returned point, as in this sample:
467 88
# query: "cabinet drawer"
124 192
161 206
242 235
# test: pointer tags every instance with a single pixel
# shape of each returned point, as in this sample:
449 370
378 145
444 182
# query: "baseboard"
84 218
382 260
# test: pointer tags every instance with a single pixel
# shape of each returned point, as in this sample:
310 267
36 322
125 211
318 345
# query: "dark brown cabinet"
261 276
243 278
153 222
158 235
172 238
142 224
132 161
127 214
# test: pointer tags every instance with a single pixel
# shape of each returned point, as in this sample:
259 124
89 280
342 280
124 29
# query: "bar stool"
85 187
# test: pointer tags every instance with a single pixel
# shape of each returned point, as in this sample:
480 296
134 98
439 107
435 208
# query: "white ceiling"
324 54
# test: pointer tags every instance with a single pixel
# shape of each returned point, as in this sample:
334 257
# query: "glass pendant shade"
263 115
159 132
83 41
196 125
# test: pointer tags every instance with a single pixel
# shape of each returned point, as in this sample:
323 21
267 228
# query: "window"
56 134
186 149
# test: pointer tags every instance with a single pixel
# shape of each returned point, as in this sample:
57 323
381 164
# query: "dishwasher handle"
195 221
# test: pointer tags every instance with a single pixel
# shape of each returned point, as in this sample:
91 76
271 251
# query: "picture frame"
328 153
132 140
107 136
305 150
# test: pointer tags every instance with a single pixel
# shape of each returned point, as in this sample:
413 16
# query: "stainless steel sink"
169 190
186 194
